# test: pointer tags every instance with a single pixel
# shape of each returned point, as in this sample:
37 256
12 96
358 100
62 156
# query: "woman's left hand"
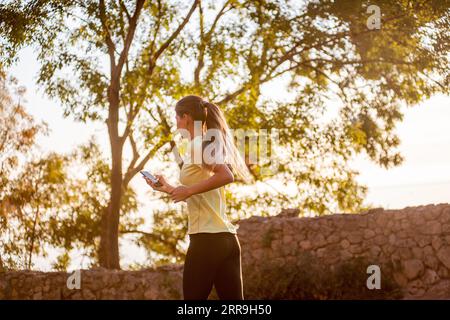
180 193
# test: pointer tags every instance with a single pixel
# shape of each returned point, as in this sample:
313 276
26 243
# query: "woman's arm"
222 176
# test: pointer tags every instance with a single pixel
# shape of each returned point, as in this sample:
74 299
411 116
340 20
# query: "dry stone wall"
287 257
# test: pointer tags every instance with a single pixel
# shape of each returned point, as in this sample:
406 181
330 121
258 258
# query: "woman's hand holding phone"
177 194
164 187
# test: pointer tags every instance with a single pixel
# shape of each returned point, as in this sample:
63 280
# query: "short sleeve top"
207 210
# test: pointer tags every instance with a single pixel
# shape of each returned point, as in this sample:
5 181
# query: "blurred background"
87 99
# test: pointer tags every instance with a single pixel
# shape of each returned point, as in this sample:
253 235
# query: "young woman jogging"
214 254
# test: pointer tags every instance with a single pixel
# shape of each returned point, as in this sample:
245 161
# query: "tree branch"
135 152
130 35
269 77
147 234
155 57
201 47
131 173
109 43
204 39
124 8
156 30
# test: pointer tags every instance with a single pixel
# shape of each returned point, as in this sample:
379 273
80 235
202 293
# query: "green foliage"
17 138
25 22
48 208
30 198
165 239
42 205
18 129
62 262
79 226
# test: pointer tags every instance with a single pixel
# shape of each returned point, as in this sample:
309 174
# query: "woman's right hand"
164 187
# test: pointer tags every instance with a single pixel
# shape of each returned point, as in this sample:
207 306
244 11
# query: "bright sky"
423 178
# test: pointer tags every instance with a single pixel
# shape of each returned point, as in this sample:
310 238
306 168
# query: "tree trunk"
33 236
109 242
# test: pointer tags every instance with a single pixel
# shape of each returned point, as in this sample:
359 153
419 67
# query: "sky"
423 178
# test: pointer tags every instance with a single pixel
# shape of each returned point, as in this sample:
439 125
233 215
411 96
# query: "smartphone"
151 177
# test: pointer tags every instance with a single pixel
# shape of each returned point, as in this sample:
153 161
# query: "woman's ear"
187 118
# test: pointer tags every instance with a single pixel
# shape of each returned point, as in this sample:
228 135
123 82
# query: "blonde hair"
213 118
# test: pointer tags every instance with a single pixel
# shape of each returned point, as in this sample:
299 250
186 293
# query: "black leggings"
213 259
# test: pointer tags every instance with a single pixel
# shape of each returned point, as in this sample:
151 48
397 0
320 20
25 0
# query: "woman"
214 253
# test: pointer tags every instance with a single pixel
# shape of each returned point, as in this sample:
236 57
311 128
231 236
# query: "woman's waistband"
211 235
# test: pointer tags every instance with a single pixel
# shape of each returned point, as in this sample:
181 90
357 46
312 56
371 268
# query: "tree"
233 50
38 189
17 139
18 129
164 243
41 204
56 202
77 224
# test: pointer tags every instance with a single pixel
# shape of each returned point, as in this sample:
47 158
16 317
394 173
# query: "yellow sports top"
207 210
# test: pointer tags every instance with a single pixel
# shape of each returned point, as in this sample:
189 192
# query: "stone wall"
286 257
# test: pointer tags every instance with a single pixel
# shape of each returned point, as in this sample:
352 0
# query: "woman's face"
182 121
